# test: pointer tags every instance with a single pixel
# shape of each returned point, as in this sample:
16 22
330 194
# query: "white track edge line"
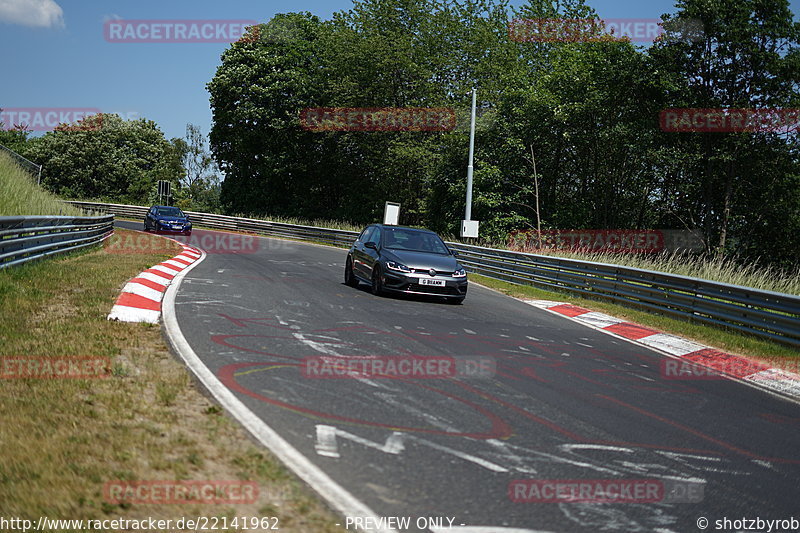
324 485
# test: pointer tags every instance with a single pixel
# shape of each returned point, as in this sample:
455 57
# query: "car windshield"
170 212
412 240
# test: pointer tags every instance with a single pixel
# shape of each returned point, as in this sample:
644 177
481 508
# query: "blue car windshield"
412 240
170 212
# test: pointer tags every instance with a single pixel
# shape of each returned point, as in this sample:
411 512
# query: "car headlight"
399 267
460 273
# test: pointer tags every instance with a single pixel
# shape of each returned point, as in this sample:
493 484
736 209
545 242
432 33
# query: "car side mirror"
454 252
371 245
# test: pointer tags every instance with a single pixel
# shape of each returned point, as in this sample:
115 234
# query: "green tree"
106 157
748 57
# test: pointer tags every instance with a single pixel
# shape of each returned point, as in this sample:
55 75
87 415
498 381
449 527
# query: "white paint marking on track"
326 441
467 457
336 495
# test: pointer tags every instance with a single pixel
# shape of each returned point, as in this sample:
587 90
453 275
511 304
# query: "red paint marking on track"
547 423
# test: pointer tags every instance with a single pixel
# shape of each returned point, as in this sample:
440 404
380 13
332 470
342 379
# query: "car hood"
422 260
171 219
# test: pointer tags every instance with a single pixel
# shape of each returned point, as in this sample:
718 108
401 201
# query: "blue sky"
56 55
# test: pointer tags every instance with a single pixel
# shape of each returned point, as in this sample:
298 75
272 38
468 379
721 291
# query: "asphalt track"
566 402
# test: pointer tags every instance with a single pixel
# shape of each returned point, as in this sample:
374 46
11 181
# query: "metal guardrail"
333 237
26 238
27 164
765 314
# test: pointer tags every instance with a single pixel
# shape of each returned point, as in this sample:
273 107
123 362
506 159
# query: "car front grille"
426 270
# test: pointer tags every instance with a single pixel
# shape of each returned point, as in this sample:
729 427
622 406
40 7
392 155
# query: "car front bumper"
410 284
169 230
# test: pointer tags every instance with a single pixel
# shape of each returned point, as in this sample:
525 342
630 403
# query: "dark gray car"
408 260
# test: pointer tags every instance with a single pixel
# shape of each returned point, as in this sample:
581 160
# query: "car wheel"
377 284
350 278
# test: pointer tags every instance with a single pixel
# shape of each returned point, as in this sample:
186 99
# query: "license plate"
177 227
433 282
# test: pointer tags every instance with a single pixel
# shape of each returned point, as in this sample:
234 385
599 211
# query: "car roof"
392 226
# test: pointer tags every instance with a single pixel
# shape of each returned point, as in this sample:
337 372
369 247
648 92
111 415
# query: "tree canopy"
586 112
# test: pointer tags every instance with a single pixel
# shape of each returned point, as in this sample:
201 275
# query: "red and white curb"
141 297
729 365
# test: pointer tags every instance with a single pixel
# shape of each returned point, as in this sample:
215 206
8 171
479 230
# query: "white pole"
468 211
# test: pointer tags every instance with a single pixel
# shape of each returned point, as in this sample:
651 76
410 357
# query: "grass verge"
20 195
63 439
722 339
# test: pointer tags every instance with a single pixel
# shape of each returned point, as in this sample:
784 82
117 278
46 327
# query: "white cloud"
33 13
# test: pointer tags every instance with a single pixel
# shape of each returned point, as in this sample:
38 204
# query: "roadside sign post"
391 213
164 190
469 227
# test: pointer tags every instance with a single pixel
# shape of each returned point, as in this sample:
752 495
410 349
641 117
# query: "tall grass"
730 270
318 222
20 195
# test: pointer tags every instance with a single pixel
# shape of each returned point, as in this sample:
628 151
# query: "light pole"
469 227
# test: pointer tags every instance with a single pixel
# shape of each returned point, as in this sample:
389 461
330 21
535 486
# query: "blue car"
405 260
166 219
